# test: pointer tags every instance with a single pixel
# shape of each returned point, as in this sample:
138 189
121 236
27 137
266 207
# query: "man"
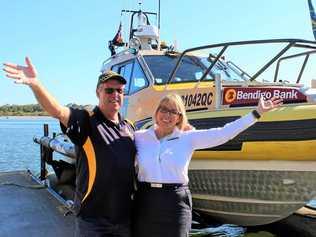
104 142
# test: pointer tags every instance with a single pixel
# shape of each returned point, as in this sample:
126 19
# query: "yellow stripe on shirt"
89 150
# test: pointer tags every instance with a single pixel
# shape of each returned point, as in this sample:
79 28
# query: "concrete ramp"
29 209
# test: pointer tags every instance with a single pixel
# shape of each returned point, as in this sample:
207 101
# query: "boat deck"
29 209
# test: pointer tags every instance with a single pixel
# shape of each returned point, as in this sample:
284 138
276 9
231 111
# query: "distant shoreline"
3 117
33 110
27 115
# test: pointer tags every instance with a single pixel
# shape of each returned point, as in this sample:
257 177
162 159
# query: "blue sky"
67 40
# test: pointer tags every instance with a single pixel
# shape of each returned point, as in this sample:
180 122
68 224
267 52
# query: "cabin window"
161 67
191 69
138 79
126 71
134 75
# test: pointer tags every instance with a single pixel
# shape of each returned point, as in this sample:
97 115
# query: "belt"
160 185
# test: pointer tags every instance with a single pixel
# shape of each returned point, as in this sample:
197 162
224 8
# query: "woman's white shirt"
167 160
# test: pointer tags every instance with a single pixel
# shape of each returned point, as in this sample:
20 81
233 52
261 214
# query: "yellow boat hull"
263 175
287 133
270 150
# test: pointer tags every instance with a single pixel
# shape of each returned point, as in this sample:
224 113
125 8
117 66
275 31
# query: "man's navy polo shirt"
105 165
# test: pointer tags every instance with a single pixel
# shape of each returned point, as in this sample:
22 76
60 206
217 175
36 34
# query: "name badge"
155 185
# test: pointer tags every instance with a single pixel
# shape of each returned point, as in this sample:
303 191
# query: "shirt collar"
102 118
175 133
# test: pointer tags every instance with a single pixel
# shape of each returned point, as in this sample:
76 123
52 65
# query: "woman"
163 199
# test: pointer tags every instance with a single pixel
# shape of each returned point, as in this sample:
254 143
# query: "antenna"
159 15
312 16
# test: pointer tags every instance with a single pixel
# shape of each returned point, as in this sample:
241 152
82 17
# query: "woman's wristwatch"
256 114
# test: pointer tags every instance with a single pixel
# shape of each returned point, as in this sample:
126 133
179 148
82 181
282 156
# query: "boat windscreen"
191 69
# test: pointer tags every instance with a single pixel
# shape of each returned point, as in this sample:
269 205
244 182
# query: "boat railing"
306 54
238 70
288 44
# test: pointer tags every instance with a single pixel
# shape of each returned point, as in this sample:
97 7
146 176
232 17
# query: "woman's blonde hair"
178 102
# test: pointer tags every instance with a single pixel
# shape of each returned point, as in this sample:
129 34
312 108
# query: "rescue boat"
268 171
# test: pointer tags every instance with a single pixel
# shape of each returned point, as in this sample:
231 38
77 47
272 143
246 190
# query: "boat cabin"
202 76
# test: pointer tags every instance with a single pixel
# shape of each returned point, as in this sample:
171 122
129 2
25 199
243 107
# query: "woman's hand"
267 105
21 74
188 127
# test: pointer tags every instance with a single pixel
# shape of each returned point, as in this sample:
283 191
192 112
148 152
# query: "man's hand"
21 74
267 105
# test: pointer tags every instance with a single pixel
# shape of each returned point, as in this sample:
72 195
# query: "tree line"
32 109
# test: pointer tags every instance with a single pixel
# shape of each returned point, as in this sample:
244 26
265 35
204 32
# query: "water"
19 152
17 149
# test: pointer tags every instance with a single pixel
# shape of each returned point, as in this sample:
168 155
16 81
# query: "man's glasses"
112 90
165 110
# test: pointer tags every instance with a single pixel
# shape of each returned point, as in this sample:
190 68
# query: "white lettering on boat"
246 95
251 95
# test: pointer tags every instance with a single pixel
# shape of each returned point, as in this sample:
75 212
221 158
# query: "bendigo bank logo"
230 96
250 96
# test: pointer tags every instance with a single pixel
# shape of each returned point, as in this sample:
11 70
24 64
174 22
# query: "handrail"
294 56
299 43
